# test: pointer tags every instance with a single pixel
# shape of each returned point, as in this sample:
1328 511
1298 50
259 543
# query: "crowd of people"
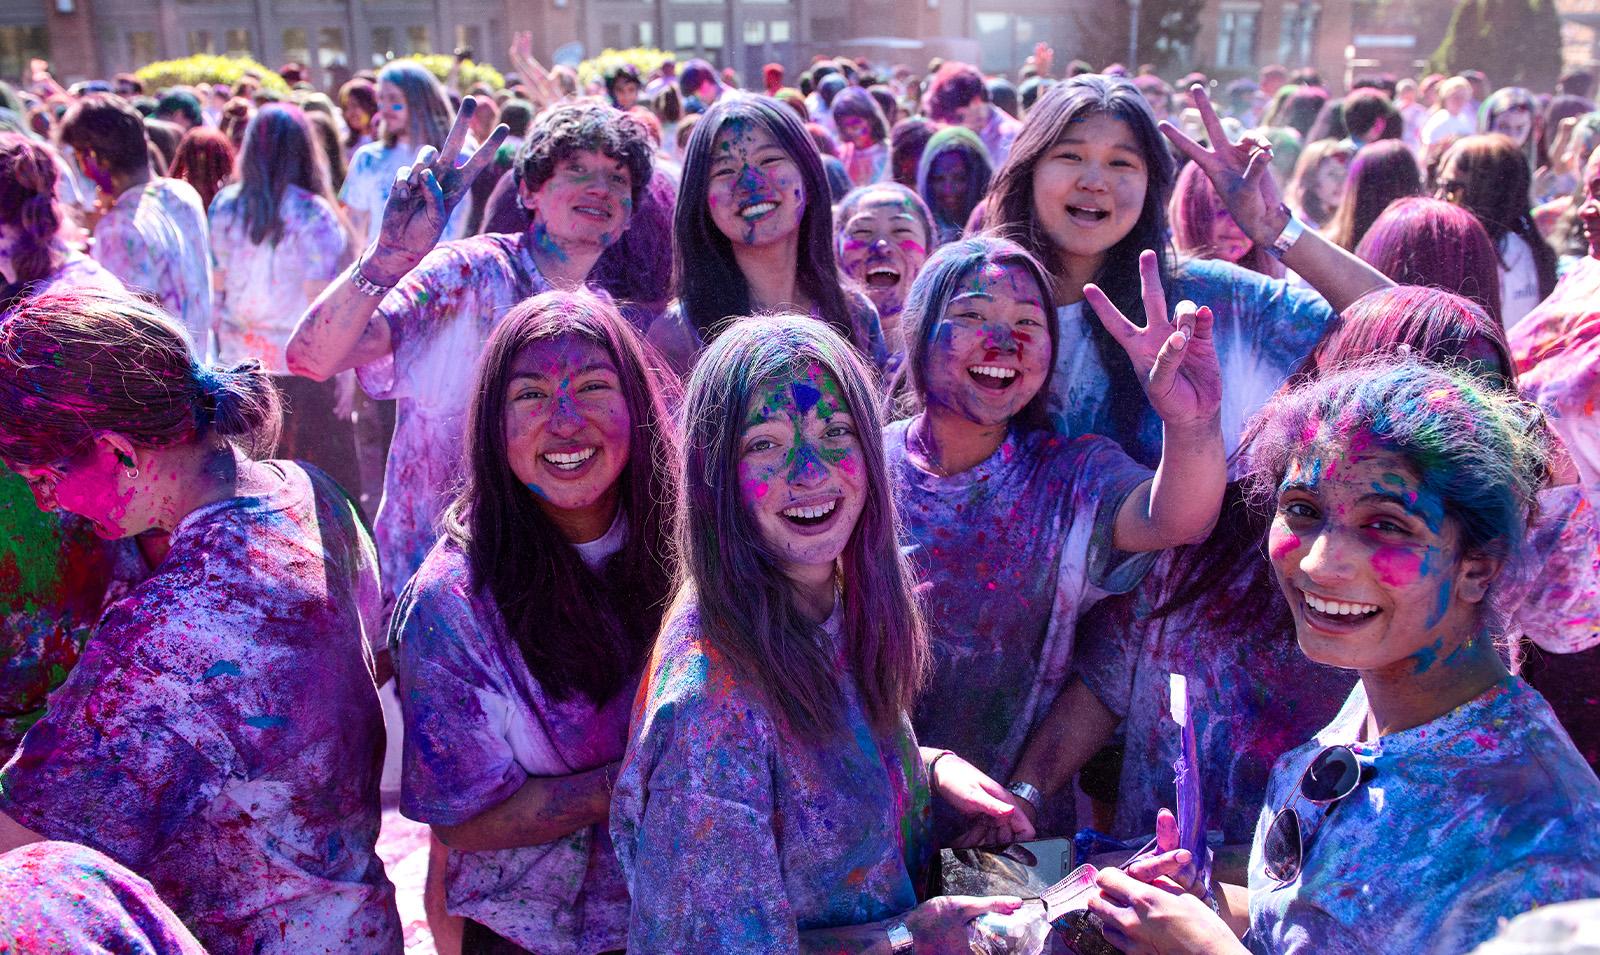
716 505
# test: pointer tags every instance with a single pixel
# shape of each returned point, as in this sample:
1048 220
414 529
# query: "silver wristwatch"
1292 231
365 285
1029 793
900 940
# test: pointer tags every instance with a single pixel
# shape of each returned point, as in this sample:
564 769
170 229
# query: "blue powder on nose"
805 396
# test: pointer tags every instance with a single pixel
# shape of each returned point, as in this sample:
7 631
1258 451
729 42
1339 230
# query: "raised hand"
423 196
1043 57
1240 172
1176 359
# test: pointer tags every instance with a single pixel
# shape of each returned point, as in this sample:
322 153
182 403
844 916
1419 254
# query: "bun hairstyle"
83 362
27 203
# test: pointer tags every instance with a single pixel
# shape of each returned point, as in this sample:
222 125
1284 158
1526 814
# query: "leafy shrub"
645 59
204 68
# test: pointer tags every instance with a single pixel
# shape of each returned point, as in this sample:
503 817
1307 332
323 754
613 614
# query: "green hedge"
204 68
645 59
439 65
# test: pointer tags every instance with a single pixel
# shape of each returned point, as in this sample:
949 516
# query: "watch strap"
1293 229
900 939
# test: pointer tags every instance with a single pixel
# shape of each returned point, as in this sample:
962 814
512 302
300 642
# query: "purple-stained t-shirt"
1253 695
77 271
1009 554
1264 326
477 726
63 897
263 285
221 734
1477 816
737 834
155 240
998 134
440 316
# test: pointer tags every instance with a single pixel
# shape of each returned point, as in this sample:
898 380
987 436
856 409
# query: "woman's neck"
814 590
945 443
1072 273
563 264
1419 690
585 525
773 274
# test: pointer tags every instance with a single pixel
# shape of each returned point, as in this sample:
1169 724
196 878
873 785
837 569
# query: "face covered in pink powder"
1371 566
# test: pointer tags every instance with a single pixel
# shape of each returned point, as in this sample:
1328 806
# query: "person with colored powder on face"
519 643
55 573
1444 797
153 233
774 797
412 318
884 236
958 96
1014 529
953 178
754 234
863 136
220 735
1213 613
413 114
1086 192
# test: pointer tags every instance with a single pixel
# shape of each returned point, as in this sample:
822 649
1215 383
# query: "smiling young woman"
1086 190
885 233
754 233
520 641
774 797
1400 492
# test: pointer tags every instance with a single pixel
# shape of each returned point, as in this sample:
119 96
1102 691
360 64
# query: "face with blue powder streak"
800 469
990 350
584 206
1370 564
756 193
567 429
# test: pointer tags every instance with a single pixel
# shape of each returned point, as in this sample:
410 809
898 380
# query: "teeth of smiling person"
886 273
757 209
1338 608
814 511
569 460
1003 374
592 210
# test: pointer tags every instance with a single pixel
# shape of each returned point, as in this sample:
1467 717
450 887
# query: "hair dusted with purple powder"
1423 241
28 204
746 607
580 631
78 363
1483 451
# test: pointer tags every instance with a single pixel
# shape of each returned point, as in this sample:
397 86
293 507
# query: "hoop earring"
132 473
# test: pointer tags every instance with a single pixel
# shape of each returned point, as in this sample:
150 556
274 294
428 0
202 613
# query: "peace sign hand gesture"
423 196
1240 172
1176 359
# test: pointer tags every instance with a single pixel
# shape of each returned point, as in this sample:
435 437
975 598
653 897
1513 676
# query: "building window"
1005 39
683 36
778 30
645 33
142 47
470 38
1299 33
296 48
238 43
711 34
755 32
330 47
18 45
417 41
1236 37
382 45
200 42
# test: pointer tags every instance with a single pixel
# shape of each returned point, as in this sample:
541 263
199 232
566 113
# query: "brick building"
85 38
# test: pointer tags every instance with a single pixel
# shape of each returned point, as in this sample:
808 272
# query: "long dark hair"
580 632
279 151
1011 213
711 289
1380 173
1493 182
747 609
